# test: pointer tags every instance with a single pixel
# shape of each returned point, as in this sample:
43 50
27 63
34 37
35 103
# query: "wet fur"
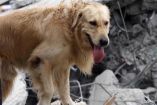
46 42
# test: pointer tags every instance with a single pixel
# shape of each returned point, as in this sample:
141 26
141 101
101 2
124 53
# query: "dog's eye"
106 23
93 23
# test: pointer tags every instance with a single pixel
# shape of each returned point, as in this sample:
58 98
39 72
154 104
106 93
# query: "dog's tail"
8 74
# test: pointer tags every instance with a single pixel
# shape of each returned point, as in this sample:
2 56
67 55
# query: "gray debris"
149 5
22 3
3 1
110 87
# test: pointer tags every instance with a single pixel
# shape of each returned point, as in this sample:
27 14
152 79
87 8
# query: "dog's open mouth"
98 51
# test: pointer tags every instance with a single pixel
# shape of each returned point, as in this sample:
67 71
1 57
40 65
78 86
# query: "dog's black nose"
104 42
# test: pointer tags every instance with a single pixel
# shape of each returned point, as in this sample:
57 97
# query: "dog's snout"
104 42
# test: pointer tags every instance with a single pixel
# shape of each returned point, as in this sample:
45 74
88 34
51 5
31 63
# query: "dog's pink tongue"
99 54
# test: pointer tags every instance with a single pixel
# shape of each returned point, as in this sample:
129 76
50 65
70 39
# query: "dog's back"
18 38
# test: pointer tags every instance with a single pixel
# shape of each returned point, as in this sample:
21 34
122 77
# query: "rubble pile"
131 55
133 37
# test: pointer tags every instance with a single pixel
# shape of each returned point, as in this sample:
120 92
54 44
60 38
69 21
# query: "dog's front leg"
40 72
44 87
62 81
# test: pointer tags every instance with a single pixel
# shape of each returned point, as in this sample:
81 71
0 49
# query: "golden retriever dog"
46 42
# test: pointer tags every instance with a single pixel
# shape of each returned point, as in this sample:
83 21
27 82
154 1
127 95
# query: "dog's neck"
82 53
80 49
83 59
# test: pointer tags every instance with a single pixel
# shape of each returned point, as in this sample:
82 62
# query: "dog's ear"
76 19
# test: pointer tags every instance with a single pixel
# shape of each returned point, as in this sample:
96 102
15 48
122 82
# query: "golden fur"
47 42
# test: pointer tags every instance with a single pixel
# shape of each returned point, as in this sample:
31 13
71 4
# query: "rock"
135 8
153 21
136 31
137 28
126 2
6 8
3 1
127 78
107 78
149 90
56 103
149 5
22 3
123 3
100 93
154 75
127 55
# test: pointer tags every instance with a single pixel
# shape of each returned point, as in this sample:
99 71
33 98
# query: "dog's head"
93 22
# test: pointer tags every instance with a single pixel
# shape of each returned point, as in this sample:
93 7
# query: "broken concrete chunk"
128 56
3 1
149 5
100 93
135 8
107 78
22 3
137 28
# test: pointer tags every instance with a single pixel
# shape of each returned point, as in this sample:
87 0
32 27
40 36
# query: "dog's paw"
56 103
80 103
72 103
